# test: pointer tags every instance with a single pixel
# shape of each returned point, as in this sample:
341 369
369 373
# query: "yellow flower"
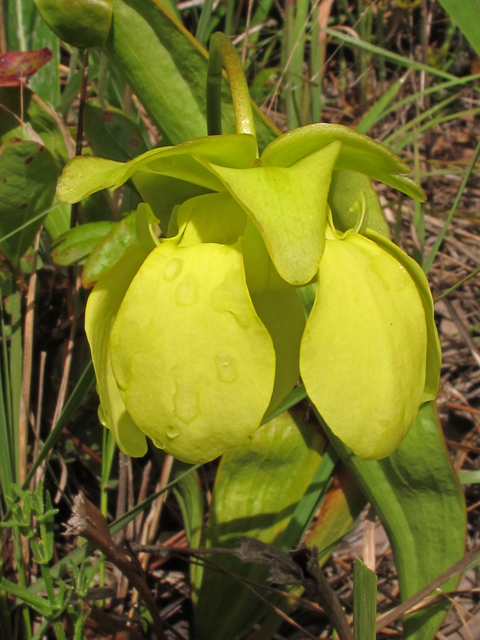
196 336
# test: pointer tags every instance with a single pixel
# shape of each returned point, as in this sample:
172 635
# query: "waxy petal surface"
102 307
363 354
289 208
359 153
194 363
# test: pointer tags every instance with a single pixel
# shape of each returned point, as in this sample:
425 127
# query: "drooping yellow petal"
102 306
289 208
434 351
363 355
282 314
259 268
194 363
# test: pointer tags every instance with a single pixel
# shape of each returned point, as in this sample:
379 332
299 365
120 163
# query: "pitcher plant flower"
197 334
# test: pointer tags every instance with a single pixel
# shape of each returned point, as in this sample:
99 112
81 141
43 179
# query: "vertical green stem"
223 54
204 22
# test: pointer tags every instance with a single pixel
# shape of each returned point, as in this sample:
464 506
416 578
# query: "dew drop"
173 269
172 432
186 404
187 291
230 296
226 368
158 443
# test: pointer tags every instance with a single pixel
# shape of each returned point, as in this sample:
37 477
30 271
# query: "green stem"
222 53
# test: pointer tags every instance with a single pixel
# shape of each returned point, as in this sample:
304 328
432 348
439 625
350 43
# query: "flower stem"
222 53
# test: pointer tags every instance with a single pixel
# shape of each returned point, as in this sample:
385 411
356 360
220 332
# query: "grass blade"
364 601
431 256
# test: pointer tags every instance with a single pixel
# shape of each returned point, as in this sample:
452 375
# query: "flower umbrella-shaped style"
196 335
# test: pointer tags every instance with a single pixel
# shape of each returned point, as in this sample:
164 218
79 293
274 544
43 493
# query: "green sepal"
188 349
84 175
359 153
289 207
102 308
344 190
434 351
363 353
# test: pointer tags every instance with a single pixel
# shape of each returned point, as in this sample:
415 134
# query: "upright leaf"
167 69
466 15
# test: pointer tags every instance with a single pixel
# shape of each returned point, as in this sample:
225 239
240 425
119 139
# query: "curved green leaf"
257 488
420 502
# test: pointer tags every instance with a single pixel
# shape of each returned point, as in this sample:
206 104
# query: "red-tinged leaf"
16 66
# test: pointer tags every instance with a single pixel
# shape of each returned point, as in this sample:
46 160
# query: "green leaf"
81 23
189 494
419 500
74 246
257 488
466 15
364 601
112 134
342 505
27 187
167 69
37 116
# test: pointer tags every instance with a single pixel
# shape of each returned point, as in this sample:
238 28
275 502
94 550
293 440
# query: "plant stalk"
222 53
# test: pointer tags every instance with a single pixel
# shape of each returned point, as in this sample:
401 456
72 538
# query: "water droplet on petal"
230 296
186 404
226 368
187 291
158 443
173 269
172 432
